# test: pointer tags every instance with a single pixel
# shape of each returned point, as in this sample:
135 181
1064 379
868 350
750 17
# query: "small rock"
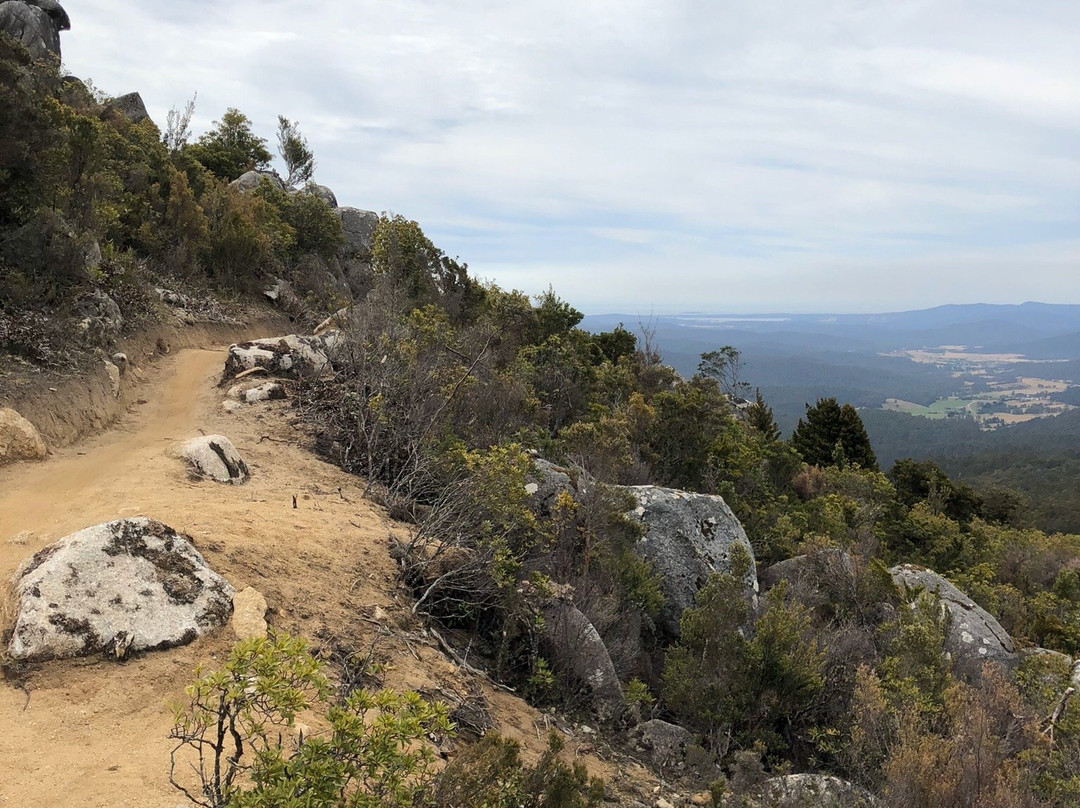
664 743
380 614
662 803
702 799
215 457
19 439
249 614
271 391
231 405
114 378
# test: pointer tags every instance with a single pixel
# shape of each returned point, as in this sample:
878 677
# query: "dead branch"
454 655
1059 712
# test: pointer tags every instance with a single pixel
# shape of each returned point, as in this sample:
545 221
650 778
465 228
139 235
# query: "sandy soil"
94 733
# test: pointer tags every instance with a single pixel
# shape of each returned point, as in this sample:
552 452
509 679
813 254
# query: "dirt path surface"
94 733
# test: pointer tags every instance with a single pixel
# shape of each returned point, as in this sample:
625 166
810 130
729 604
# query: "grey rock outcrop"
974 636
215 457
546 482
292 355
114 374
320 191
19 439
249 180
688 537
131 106
132 583
285 297
663 744
579 650
355 257
36 24
359 226
799 790
99 315
824 564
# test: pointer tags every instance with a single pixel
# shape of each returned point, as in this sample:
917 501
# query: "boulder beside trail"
974 636
132 584
662 743
19 439
249 614
578 649
215 457
689 537
292 355
798 790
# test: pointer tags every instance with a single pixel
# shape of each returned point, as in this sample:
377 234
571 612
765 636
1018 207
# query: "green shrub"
374 753
490 774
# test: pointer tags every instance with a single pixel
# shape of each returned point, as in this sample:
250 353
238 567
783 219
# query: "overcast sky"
726 156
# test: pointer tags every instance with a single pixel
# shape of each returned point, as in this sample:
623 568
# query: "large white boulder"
132 583
799 790
689 537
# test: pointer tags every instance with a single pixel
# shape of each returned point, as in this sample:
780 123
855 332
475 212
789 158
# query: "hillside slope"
93 733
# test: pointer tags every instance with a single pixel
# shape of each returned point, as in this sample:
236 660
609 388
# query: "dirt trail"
94 733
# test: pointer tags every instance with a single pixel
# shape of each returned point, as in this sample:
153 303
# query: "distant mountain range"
796 358
1039 330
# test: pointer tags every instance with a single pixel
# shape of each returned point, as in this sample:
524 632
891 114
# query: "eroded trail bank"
94 732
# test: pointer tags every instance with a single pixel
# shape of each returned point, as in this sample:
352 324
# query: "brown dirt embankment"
67 408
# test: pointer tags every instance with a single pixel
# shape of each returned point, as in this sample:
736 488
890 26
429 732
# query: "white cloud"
770 155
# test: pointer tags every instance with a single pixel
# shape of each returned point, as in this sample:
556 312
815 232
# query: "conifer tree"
833 435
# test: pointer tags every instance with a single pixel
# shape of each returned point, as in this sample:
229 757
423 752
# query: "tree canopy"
833 435
231 148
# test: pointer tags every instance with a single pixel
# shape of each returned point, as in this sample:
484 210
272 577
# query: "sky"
672 155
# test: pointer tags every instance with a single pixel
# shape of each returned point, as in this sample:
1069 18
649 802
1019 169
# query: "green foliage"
421 271
724 366
230 148
294 152
490 774
309 225
924 482
833 435
375 751
743 685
